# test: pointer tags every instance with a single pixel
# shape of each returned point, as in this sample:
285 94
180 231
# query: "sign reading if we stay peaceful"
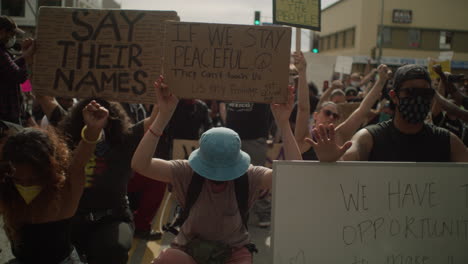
227 62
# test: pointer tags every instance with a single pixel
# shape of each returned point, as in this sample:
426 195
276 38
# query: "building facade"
413 31
24 12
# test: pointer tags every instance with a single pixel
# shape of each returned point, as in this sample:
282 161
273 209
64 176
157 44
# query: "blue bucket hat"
219 157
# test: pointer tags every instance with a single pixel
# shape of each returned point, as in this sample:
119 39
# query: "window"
445 42
387 35
333 42
349 38
414 37
15 8
340 40
50 2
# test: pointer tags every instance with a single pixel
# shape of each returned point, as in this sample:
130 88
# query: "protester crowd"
79 178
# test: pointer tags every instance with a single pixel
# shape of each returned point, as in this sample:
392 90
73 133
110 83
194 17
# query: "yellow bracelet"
88 141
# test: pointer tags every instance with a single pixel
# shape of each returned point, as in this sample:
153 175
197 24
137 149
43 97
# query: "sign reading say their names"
227 62
113 54
370 213
297 13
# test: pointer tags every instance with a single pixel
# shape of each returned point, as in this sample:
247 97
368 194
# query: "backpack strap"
193 192
241 185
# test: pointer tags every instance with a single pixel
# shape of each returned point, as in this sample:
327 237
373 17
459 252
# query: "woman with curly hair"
40 187
103 225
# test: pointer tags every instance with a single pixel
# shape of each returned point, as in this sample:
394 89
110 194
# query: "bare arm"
368 77
361 146
436 109
325 96
222 112
459 153
143 161
47 103
301 130
347 129
95 117
451 108
436 106
149 120
281 112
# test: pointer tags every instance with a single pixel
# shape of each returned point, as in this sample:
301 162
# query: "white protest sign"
370 213
319 68
344 64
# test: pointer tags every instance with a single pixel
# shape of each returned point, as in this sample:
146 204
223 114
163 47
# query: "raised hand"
384 72
282 112
438 69
325 145
95 116
299 61
28 47
166 101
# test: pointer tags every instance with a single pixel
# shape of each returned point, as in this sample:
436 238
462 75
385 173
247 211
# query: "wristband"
89 141
154 133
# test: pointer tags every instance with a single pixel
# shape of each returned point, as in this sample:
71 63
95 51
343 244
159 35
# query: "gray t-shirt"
214 216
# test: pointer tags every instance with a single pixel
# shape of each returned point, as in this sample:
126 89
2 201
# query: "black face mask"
414 109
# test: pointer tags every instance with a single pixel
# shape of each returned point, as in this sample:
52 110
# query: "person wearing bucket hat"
214 219
406 137
13 71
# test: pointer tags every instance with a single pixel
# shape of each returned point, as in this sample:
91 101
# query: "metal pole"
381 27
32 8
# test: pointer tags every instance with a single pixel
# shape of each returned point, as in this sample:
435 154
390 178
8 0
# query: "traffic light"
315 43
257 18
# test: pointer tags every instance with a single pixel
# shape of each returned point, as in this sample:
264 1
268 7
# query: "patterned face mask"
414 109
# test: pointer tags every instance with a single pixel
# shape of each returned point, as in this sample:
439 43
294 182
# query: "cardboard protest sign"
181 149
297 13
369 212
227 62
113 54
446 67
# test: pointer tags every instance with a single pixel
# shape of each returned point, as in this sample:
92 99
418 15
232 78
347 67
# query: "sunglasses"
330 113
413 92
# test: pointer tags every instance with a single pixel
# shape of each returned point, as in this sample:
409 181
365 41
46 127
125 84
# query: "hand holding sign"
167 102
281 112
28 48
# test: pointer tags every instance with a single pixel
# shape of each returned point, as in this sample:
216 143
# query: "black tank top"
44 243
309 154
432 144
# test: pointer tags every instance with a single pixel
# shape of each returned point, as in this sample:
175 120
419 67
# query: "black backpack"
242 196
